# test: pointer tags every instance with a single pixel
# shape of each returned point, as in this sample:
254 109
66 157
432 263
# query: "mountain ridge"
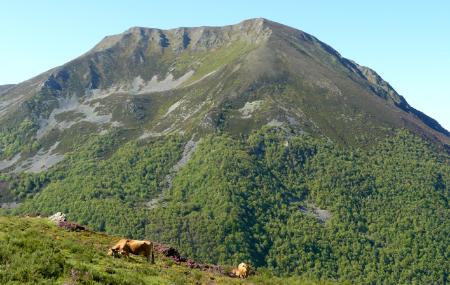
260 23
207 79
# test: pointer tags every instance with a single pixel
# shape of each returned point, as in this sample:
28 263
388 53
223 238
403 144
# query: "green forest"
287 203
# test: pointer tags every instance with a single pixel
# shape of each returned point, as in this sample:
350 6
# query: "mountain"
199 80
253 142
4 88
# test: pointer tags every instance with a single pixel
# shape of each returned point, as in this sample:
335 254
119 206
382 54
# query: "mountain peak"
254 22
236 78
247 23
256 30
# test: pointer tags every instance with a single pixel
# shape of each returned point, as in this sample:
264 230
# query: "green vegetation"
35 251
18 139
295 205
24 185
209 61
104 188
242 200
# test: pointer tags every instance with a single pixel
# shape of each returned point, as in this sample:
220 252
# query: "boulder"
58 218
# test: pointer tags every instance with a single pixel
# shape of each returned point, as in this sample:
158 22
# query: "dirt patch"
154 85
249 108
275 123
65 111
173 107
8 163
10 205
320 214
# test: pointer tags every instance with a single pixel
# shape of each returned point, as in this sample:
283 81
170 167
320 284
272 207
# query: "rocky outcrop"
58 218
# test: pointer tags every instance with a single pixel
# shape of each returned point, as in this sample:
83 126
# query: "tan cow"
137 247
118 248
242 270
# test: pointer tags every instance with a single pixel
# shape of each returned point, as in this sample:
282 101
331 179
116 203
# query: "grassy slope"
34 251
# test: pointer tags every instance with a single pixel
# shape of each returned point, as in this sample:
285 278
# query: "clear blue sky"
406 42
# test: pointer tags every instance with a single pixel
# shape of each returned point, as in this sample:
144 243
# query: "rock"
71 226
58 218
169 251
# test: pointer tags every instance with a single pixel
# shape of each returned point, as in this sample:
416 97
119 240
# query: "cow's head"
113 252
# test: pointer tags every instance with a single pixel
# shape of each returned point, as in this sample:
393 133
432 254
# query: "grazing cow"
137 247
242 270
118 248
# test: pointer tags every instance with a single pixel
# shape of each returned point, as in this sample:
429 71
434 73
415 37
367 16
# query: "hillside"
252 142
35 251
293 204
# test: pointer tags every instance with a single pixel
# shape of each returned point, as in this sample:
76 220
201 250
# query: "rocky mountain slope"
201 80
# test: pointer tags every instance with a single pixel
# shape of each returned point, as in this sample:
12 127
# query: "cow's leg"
125 253
150 256
114 253
153 256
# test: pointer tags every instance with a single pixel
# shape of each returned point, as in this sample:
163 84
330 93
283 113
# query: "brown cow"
118 248
137 247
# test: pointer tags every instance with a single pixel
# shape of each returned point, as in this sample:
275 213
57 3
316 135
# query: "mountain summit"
235 78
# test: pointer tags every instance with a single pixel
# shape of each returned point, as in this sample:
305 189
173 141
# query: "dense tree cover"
24 185
18 139
106 188
257 198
